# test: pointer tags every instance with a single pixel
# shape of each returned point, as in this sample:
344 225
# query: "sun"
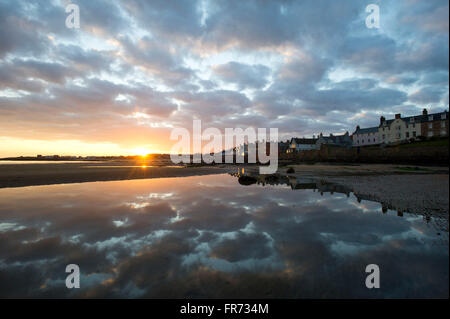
141 151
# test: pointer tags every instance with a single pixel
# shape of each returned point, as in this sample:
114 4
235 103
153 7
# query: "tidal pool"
211 237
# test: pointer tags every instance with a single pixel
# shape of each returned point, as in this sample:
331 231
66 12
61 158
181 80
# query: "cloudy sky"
135 69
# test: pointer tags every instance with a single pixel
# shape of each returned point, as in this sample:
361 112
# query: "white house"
402 129
399 129
343 140
302 144
366 136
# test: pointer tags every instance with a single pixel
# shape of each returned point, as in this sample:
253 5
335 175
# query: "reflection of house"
293 181
438 221
336 140
302 144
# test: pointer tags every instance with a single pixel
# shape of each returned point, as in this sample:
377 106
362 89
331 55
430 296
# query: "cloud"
303 66
245 76
427 94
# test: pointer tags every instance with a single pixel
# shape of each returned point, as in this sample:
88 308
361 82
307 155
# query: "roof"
304 140
367 130
418 118
336 139
283 145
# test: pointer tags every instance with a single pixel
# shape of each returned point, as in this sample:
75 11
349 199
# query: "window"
443 132
407 134
384 136
430 133
430 118
443 116
399 135
414 133
443 124
414 125
411 119
430 125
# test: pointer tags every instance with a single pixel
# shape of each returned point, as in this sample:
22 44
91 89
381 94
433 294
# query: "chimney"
397 116
425 112
382 119
357 127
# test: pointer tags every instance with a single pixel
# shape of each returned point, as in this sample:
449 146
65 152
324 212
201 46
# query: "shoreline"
418 190
21 175
16 175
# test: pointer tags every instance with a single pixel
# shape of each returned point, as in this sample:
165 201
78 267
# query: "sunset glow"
135 70
224 158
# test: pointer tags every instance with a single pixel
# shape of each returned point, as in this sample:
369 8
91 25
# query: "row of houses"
397 130
402 129
306 144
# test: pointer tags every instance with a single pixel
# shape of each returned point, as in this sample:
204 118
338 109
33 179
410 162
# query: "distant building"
434 124
366 136
409 128
302 144
402 129
343 140
283 147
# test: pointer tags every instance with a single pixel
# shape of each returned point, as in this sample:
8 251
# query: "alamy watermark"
373 279
373 19
73 19
73 279
235 146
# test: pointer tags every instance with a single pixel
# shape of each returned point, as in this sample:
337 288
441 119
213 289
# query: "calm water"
209 236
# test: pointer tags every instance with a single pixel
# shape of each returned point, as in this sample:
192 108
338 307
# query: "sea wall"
394 154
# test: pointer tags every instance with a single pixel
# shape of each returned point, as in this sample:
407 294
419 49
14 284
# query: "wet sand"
420 194
18 175
323 169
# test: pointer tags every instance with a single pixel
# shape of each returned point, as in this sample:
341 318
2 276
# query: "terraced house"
302 144
402 129
366 136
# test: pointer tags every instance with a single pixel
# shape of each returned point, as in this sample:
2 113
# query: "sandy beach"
18 175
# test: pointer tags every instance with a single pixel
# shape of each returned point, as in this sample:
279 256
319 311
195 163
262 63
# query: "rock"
247 180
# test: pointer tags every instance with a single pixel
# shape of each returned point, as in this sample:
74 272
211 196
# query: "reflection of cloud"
199 242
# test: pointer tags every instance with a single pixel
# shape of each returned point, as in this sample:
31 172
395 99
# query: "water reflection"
437 221
209 237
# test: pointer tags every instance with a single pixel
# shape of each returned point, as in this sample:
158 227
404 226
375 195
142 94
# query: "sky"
137 69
